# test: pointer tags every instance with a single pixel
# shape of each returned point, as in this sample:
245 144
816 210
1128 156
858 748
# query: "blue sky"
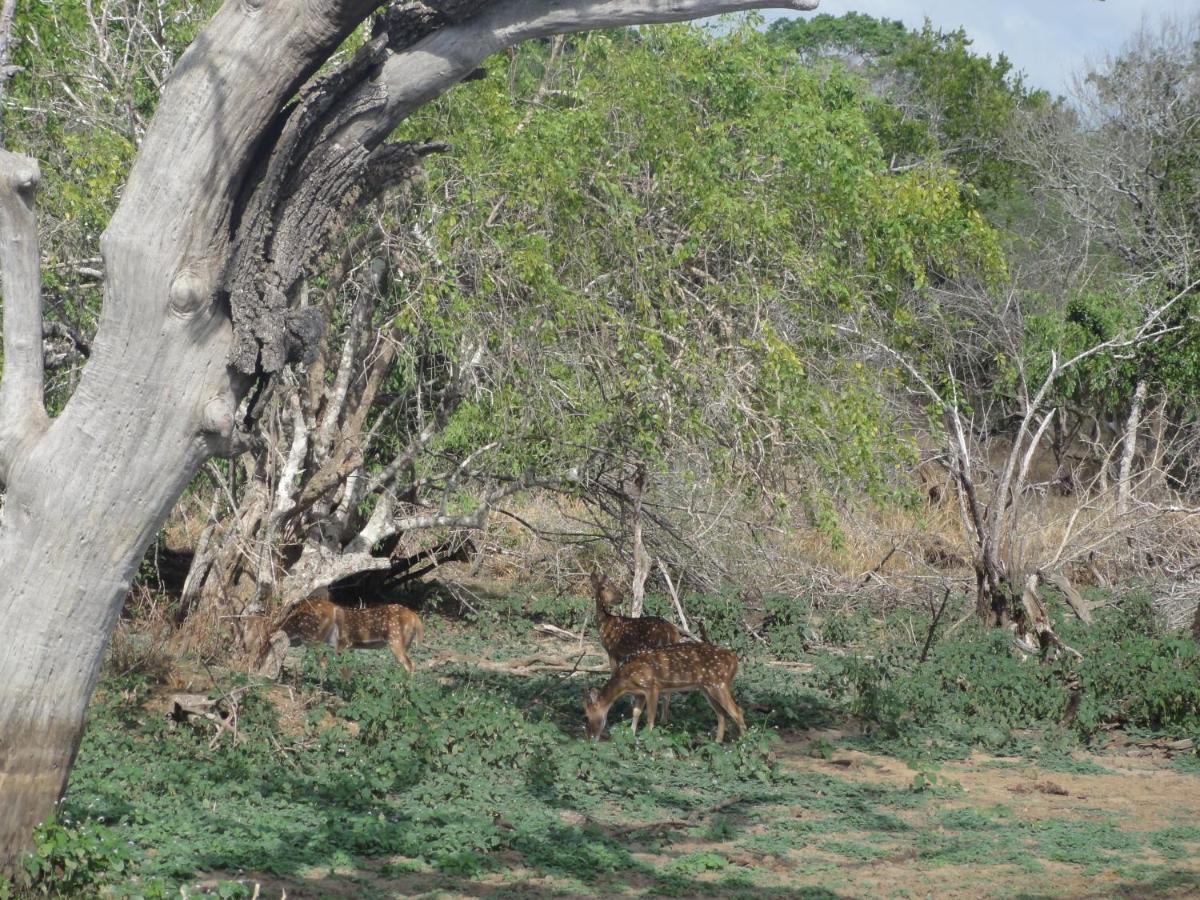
1047 39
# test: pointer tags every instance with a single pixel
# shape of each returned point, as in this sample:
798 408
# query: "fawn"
623 636
318 620
680 667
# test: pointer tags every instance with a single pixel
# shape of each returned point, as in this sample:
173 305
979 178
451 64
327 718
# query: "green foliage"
74 859
684 206
975 691
853 32
786 622
937 97
443 773
1133 674
473 774
788 625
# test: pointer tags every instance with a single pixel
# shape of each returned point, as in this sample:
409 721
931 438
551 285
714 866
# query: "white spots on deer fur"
319 620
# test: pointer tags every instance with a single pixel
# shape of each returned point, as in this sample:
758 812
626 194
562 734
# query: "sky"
1048 39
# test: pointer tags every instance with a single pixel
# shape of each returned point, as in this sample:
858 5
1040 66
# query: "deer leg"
714 701
328 635
333 637
651 702
400 651
725 696
639 703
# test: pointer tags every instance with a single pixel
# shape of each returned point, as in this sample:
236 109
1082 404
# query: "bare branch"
285 491
7 11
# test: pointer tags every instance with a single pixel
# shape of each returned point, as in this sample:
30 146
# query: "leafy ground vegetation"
866 772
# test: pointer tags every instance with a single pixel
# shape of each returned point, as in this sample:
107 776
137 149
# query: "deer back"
379 624
679 666
624 637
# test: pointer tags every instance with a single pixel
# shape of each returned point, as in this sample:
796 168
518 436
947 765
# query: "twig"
937 617
683 622
671 824
557 632
528 665
879 567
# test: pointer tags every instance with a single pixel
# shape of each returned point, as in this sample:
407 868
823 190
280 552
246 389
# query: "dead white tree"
1007 577
250 161
7 10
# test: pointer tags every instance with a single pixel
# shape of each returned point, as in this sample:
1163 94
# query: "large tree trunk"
78 516
234 187
85 496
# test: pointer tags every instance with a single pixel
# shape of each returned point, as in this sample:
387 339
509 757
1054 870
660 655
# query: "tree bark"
86 495
8 9
233 186
1129 447
641 559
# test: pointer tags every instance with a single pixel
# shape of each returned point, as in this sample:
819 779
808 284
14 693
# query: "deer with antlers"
680 667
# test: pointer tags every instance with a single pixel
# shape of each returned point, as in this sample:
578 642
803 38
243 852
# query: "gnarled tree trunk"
237 183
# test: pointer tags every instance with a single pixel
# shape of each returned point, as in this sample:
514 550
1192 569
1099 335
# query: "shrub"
1134 674
73 859
977 689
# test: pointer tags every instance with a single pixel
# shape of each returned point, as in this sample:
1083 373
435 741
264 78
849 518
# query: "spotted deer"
318 620
680 667
623 636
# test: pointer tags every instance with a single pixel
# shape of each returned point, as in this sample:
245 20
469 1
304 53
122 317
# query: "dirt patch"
1114 795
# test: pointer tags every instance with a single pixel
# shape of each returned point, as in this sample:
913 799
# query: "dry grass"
902 553
879 557
141 643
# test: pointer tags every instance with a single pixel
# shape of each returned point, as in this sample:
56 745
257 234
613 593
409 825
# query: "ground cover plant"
348 776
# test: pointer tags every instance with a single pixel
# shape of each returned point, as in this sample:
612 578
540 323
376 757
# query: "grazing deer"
623 636
318 620
680 667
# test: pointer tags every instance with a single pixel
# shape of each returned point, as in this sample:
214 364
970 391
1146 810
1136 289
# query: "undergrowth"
380 765
974 690
459 773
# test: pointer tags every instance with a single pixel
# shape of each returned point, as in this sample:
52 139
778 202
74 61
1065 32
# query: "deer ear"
590 695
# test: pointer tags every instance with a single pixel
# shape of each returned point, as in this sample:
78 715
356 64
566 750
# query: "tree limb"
408 80
7 11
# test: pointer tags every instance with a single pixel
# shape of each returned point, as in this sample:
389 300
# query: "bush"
1133 674
978 690
785 622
